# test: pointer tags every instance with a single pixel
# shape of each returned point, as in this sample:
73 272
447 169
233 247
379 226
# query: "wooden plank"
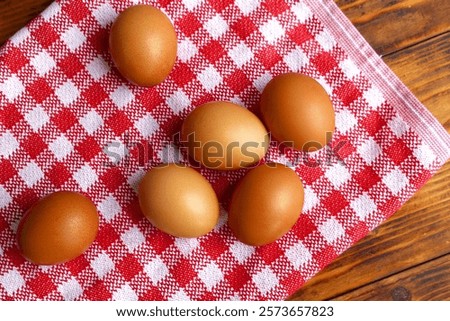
390 25
425 69
428 281
14 14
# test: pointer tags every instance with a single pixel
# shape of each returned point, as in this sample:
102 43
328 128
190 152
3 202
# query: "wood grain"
423 282
14 14
390 25
408 256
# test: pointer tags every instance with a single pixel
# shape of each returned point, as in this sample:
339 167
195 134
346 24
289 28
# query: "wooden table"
408 257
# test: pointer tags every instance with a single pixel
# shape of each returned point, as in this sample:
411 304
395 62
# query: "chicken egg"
58 228
265 204
143 45
298 111
225 136
178 200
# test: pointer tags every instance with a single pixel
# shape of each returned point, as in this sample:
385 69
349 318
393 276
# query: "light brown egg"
265 204
178 200
58 228
298 111
143 45
225 136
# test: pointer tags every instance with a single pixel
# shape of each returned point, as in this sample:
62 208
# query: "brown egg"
222 135
178 200
298 111
143 45
58 228
265 204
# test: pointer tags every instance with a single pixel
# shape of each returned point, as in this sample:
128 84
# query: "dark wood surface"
407 257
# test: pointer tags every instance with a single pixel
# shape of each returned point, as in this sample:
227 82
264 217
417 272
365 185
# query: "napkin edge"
375 69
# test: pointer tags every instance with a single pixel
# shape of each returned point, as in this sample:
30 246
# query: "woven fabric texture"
69 121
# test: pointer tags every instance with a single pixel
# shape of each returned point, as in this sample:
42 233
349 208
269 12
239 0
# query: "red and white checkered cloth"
69 121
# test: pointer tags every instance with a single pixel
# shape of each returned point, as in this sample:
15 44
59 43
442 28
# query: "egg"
178 200
143 45
298 111
58 228
224 136
265 204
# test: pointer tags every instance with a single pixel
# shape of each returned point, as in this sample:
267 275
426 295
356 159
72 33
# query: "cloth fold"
69 121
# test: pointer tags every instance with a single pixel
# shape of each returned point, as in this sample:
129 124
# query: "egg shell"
224 136
178 200
298 111
265 204
143 45
58 228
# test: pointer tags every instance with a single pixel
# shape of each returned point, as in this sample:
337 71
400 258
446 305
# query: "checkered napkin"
68 121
